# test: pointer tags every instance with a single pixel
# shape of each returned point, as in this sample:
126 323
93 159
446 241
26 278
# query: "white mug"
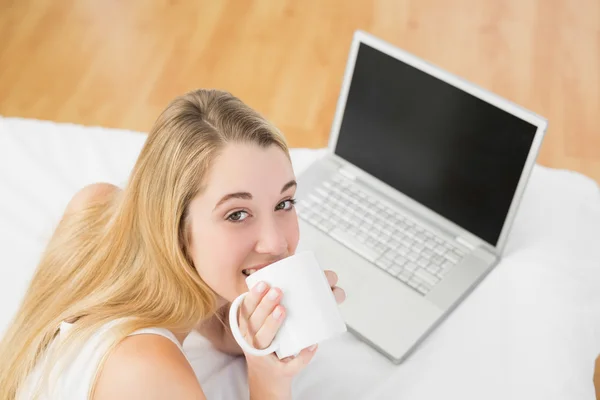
312 314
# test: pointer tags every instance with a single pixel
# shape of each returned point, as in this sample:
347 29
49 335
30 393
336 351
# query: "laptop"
413 202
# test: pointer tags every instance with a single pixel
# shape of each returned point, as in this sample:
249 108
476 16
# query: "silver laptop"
412 204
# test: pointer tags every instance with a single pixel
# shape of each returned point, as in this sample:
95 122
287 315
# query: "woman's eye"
290 203
237 216
240 216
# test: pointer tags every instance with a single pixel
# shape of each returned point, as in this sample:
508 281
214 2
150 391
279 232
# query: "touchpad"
390 314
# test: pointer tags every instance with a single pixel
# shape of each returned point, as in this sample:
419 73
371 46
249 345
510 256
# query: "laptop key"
418 247
437 260
384 263
355 220
314 219
328 225
322 192
369 220
395 269
406 242
400 260
413 283
433 269
426 276
354 244
380 247
430 243
362 237
412 256
315 199
452 257
442 273
423 262
410 266
321 226
427 253
447 265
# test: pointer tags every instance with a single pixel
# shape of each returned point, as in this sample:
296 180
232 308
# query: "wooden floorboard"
118 63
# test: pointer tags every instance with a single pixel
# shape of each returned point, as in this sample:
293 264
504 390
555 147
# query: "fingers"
332 278
265 307
253 299
261 315
339 294
269 328
295 364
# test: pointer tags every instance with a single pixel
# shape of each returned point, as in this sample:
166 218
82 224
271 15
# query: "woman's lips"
251 270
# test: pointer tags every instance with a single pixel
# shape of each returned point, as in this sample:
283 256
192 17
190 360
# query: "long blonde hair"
126 256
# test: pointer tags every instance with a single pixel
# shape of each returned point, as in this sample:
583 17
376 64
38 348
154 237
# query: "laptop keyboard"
390 240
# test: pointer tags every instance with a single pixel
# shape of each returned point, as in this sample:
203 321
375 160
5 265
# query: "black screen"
447 149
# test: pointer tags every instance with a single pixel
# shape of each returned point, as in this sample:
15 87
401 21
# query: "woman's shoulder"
90 194
148 367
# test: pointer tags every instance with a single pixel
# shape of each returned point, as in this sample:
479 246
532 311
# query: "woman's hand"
216 329
261 316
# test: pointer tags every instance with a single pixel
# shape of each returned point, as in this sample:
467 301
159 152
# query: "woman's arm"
149 367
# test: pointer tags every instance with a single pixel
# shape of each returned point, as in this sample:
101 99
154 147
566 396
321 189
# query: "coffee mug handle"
237 334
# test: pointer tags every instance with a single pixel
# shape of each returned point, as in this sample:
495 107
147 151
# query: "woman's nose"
272 239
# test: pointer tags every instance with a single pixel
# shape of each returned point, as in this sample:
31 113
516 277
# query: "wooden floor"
118 63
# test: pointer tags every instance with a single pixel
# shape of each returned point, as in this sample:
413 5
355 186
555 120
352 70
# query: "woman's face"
245 217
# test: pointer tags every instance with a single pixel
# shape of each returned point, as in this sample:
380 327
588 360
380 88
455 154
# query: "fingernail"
260 287
277 312
272 295
312 348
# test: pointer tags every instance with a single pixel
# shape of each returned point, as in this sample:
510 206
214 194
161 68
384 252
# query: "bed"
531 330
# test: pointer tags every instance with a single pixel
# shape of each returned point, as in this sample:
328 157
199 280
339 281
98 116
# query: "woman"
128 274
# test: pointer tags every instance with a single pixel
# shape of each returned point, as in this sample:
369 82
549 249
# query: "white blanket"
531 330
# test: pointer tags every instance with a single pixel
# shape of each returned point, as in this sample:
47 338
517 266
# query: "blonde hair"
126 256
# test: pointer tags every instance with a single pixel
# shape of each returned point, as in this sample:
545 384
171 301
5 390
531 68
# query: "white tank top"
75 382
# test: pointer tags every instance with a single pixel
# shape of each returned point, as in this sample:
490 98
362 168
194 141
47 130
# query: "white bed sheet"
531 330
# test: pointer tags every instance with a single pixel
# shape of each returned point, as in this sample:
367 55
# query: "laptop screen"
447 149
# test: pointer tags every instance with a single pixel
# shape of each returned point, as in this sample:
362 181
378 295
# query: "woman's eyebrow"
288 185
248 196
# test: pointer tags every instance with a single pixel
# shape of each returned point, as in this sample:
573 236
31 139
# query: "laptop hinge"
347 174
465 243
